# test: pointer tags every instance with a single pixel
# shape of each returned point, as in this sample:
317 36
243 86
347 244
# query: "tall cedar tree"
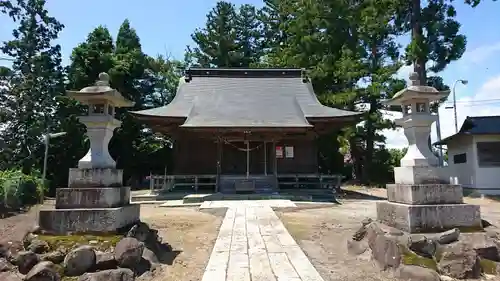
231 37
36 80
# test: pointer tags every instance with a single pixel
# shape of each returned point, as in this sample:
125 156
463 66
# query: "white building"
474 154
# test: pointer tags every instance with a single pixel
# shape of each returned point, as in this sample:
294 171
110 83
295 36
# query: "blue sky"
165 27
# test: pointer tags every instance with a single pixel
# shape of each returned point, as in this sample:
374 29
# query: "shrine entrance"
245 158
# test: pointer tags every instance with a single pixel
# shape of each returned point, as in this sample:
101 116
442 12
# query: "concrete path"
253 245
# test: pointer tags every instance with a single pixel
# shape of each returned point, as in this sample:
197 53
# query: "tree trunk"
417 38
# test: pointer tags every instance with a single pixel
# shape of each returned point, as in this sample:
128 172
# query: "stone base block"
416 175
104 220
429 218
423 194
98 197
96 177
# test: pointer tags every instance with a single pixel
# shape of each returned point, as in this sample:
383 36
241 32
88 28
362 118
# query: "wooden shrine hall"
244 129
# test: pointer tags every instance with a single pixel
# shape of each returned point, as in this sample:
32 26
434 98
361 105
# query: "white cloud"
483 102
481 53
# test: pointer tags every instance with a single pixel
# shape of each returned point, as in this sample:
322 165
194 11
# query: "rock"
5 265
79 260
366 221
372 231
459 261
25 260
356 247
120 274
449 236
9 249
38 246
43 271
417 273
485 223
128 252
140 231
27 239
386 251
359 234
10 276
150 256
446 278
105 260
55 257
421 245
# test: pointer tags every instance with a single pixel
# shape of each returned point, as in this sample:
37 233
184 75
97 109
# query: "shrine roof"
245 98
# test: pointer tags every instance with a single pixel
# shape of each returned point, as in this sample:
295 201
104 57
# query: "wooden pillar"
219 164
265 158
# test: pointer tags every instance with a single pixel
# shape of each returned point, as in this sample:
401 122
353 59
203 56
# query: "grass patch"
411 258
68 242
296 229
488 266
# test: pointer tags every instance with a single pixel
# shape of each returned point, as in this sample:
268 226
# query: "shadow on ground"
351 194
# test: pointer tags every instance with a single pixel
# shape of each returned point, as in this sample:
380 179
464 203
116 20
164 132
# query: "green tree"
216 43
36 79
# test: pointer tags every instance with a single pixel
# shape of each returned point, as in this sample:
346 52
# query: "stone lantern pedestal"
419 200
95 200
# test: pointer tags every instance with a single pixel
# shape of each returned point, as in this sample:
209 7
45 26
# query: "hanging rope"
241 149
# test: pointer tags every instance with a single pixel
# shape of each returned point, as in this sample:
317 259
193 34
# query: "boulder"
55 257
140 231
484 246
25 260
150 256
43 271
422 245
359 234
417 273
38 246
386 251
28 238
105 260
10 276
79 260
459 260
128 252
120 274
448 237
372 231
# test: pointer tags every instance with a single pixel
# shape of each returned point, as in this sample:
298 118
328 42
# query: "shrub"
19 190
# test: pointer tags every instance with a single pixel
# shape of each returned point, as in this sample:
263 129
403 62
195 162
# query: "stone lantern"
420 200
101 101
417 119
95 200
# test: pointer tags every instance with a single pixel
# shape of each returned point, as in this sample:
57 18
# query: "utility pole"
464 82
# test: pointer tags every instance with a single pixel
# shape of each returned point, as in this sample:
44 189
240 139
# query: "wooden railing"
194 182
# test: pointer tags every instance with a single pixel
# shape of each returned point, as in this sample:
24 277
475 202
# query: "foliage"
18 189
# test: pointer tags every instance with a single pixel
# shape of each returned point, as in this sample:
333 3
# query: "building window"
110 109
488 154
406 109
460 158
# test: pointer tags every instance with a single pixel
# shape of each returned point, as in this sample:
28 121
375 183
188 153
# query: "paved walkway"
253 245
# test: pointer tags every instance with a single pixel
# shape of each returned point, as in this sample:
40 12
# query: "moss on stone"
68 242
411 258
488 266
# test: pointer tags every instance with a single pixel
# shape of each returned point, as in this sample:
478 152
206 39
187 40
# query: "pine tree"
36 79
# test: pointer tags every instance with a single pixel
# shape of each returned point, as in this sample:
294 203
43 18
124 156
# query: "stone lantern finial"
103 79
414 79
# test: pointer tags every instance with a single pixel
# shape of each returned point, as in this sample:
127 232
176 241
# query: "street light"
47 138
464 82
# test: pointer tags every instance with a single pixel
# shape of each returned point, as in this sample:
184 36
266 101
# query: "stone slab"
429 218
62 221
98 197
95 177
253 244
421 194
416 175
